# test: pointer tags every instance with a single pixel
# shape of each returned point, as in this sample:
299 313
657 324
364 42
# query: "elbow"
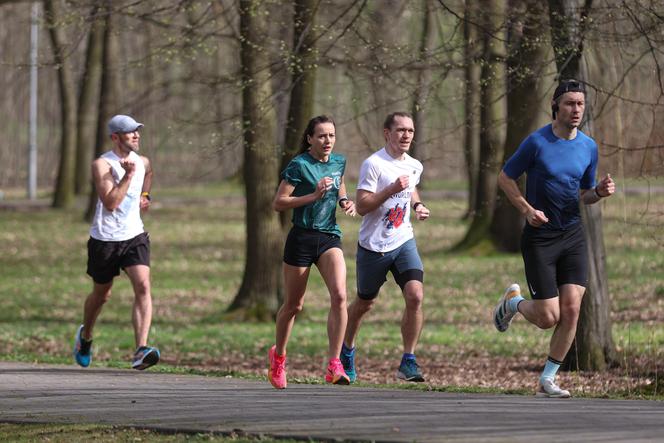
361 210
277 206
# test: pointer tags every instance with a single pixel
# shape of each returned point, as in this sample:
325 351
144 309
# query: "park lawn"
61 433
197 263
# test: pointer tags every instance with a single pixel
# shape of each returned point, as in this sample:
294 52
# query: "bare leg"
332 268
356 312
93 305
413 318
295 282
570 306
139 276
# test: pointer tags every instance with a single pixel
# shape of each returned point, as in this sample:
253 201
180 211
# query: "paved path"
67 394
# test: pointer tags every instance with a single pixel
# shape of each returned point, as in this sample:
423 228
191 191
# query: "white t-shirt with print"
388 226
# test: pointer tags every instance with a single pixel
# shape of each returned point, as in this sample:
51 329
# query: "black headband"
568 86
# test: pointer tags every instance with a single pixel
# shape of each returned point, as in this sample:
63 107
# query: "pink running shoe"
277 371
336 374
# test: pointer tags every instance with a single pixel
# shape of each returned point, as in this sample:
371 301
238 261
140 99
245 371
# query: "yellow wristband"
146 195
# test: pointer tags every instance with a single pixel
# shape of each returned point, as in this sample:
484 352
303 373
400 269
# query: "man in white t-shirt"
386 194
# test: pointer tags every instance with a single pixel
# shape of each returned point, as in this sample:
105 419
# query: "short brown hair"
389 120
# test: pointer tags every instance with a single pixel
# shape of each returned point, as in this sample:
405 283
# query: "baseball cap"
122 123
569 85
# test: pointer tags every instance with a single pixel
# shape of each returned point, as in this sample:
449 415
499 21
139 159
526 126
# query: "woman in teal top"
311 185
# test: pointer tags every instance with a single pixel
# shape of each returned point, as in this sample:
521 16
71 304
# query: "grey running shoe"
502 316
145 357
409 370
548 388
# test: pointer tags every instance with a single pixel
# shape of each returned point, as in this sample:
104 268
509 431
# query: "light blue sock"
550 368
513 303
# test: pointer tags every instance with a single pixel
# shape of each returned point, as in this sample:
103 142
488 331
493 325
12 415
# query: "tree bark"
89 101
593 348
492 113
422 89
259 292
63 196
109 92
471 146
525 63
301 105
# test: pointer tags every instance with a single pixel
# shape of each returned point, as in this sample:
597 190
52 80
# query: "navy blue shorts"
372 267
554 258
106 258
305 246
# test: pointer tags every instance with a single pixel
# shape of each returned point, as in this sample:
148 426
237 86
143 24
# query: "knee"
547 320
293 308
142 288
102 296
363 306
570 313
414 300
338 300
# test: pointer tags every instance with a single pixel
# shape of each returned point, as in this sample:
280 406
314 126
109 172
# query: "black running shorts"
305 246
554 258
106 258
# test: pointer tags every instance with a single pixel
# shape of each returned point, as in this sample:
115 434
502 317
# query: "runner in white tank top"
122 179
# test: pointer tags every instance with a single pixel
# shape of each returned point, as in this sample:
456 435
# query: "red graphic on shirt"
394 217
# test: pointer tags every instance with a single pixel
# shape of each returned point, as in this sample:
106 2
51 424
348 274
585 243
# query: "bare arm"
421 212
533 216
110 193
347 205
605 188
368 201
147 184
284 200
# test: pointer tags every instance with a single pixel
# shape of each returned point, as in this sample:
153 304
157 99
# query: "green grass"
198 258
34 433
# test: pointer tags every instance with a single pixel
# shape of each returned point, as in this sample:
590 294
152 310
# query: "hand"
422 212
536 218
145 203
129 166
400 184
606 187
323 185
349 207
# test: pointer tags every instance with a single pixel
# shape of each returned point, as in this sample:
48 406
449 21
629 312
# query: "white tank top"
125 222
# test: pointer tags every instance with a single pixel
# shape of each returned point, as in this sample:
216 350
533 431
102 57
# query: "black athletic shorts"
305 246
106 258
554 258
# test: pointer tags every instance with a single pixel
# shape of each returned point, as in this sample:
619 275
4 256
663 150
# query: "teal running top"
304 172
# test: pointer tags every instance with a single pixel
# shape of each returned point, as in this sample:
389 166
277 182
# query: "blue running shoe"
347 357
82 349
409 370
145 357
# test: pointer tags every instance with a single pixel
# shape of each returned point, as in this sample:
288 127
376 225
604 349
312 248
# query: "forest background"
224 87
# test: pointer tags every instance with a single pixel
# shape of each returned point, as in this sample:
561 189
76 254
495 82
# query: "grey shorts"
372 267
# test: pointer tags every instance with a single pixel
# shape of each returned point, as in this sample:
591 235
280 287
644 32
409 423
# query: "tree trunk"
63 196
492 114
109 92
258 294
89 101
593 348
301 105
423 86
471 145
525 63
